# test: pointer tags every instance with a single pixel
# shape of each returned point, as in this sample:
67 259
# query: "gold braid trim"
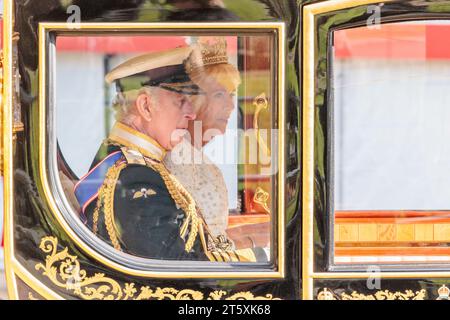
106 196
205 245
96 214
184 200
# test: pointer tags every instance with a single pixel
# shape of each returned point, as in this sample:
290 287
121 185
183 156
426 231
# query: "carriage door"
375 153
56 57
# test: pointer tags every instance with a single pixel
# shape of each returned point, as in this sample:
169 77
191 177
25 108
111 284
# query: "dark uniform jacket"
126 201
147 220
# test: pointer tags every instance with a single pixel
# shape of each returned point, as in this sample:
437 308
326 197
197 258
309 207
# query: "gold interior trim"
261 197
309 49
260 102
399 233
279 27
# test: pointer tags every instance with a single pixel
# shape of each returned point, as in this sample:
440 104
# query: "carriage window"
391 153
165 142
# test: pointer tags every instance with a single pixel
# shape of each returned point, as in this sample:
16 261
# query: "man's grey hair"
125 102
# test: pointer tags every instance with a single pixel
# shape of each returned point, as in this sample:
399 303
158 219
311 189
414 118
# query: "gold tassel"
184 200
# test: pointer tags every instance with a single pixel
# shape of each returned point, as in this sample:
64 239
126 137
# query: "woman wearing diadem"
128 197
208 68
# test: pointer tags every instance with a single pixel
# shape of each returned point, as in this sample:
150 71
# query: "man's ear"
144 106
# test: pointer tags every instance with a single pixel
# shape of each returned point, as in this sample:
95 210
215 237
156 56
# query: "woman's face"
219 106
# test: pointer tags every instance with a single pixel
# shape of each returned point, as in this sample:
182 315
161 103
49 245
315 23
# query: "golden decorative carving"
64 271
31 297
260 102
327 294
261 197
218 295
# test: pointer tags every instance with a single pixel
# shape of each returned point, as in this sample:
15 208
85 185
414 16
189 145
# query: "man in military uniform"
128 198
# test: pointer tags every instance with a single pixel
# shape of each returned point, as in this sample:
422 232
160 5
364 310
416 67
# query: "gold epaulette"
133 156
105 200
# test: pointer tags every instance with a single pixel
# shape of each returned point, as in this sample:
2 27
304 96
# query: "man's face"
171 113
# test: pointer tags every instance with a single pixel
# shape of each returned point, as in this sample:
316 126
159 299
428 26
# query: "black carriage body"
41 253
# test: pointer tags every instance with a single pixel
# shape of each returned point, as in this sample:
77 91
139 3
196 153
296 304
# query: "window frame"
48 168
318 222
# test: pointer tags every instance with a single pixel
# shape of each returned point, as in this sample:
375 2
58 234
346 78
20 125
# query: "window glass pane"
165 142
391 159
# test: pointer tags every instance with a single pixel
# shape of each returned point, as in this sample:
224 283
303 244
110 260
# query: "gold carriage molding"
327 294
443 293
64 270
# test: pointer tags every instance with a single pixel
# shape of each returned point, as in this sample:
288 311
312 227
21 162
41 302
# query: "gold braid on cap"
206 53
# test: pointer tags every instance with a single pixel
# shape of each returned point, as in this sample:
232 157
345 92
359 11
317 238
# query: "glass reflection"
391 176
175 176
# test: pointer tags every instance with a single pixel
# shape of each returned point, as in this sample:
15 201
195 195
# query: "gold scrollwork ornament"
64 271
31 296
261 197
327 294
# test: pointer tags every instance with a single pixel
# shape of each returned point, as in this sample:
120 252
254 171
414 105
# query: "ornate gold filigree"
31 297
217 295
64 271
261 197
386 295
327 294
